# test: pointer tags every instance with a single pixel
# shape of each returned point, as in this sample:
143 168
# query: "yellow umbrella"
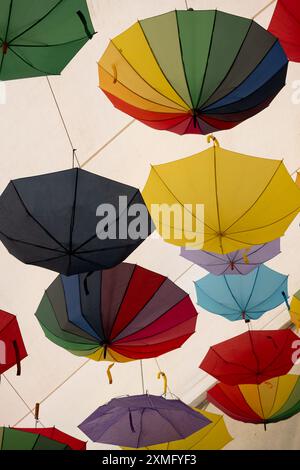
295 310
214 436
221 201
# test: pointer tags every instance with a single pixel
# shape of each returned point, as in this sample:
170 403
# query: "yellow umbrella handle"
245 257
115 73
163 375
110 379
214 139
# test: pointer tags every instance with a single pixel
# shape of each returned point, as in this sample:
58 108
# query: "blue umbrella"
245 297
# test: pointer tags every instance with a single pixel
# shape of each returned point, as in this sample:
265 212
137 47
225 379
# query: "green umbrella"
41 37
38 439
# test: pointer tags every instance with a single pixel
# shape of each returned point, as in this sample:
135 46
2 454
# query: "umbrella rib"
38 21
182 61
182 205
35 220
278 355
246 78
253 287
159 66
114 221
149 84
103 249
217 198
232 65
218 302
182 111
49 45
231 293
34 262
84 316
185 118
207 60
229 362
73 217
257 199
251 253
31 244
214 112
29 63
6 32
267 298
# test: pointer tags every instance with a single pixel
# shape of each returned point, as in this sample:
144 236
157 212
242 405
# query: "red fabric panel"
9 333
230 400
285 24
142 287
58 436
148 351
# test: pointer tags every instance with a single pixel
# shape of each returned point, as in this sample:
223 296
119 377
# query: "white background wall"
33 141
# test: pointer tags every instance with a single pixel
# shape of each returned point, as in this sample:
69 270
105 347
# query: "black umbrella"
72 221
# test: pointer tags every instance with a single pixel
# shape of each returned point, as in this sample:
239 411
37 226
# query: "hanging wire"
263 9
63 121
186 4
168 388
142 376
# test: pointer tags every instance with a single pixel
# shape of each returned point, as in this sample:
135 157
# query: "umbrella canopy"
237 262
119 314
295 310
269 402
193 72
51 221
252 357
285 24
142 420
224 201
12 349
40 38
242 297
38 439
214 436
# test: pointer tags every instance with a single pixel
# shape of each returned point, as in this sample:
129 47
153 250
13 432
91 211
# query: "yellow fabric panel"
111 356
251 395
298 179
286 384
280 198
114 63
122 92
213 437
137 52
295 312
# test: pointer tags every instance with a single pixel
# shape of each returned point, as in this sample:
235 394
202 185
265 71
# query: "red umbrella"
12 349
285 24
252 357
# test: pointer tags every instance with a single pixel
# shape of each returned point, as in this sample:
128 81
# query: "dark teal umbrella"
41 37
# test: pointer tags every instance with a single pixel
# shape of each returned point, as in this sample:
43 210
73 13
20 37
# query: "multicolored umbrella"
12 349
119 314
252 357
214 436
242 297
221 201
269 402
295 310
51 221
193 72
38 439
285 25
141 421
237 262
41 37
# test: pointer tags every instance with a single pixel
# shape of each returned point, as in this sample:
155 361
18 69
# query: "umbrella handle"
110 379
210 138
85 25
18 359
163 375
115 73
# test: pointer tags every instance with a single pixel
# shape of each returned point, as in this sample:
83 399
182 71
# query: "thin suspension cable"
107 144
186 4
263 9
142 376
63 122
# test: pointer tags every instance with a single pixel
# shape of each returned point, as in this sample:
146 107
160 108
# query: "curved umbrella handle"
210 138
163 375
110 379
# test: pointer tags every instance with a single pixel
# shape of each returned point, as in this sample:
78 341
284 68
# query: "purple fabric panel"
113 288
164 299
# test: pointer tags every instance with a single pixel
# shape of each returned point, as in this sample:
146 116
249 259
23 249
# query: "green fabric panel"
287 414
161 33
86 349
44 443
228 36
4 17
1 437
46 316
18 440
195 31
293 400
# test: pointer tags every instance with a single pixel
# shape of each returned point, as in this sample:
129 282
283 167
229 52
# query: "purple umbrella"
236 262
142 421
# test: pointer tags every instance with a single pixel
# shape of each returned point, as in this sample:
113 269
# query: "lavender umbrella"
142 421
236 262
